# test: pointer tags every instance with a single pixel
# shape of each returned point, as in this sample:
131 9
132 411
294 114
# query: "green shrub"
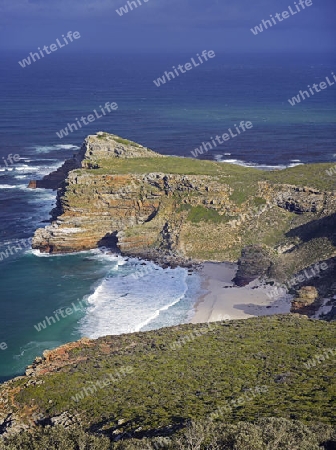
200 213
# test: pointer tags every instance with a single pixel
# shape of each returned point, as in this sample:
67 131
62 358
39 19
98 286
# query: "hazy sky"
167 25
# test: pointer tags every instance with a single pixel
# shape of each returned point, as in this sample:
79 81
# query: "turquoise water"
61 298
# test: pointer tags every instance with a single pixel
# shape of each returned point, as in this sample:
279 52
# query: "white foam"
39 254
11 186
38 171
27 168
122 303
7 186
22 242
50 148
239 162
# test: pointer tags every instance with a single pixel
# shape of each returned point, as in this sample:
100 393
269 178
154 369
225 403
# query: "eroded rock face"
254 262
106 146
122 211
300 199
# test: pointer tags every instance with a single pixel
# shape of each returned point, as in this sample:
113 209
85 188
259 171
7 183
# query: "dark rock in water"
55 179
255 261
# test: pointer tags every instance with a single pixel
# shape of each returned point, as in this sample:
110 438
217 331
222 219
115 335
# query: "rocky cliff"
129 198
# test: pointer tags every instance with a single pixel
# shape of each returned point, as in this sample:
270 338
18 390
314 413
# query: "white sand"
221 303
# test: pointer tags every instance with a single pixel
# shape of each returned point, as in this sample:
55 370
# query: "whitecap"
50 148
132 297
256 165
10 186
39 254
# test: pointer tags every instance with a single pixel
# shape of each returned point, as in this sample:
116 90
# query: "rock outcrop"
304 303
255 262
98 147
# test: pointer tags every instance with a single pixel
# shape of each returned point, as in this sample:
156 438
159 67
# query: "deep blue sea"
39 100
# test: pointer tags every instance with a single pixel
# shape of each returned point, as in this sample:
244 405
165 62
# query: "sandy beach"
224 301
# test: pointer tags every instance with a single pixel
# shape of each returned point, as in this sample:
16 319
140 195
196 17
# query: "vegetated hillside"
155 383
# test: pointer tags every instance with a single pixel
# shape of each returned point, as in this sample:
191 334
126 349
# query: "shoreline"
222 300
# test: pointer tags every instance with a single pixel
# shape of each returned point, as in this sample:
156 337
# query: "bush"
55 438
265 434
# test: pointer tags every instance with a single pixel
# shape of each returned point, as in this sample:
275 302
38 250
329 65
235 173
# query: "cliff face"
131 199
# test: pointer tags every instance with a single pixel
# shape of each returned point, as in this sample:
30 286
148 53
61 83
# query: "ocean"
116 294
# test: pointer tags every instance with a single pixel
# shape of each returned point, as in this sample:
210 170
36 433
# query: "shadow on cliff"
110 241
54 180
325 227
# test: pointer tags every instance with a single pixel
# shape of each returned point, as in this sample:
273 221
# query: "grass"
200 213
125 141
102 136
258 201
243 179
